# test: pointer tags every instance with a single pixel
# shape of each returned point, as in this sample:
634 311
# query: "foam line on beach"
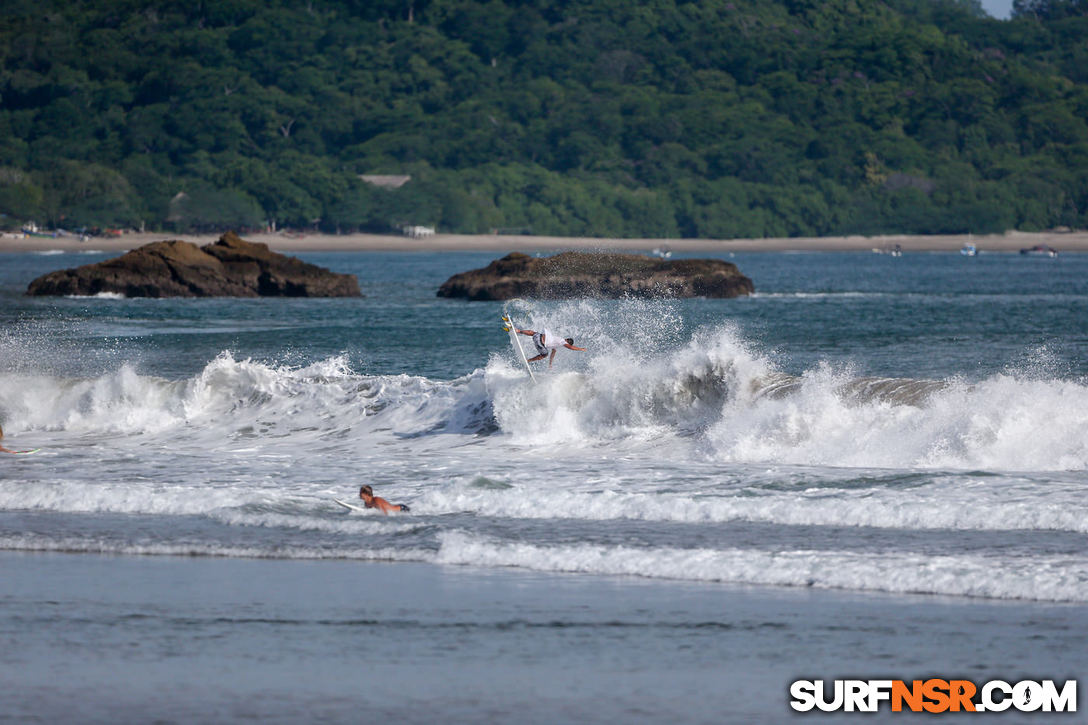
1046 578
1053 578
94 545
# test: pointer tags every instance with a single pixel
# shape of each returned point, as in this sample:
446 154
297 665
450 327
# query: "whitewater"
863 424
672 448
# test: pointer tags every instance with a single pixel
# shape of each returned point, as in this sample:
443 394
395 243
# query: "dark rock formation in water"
230 267
581 274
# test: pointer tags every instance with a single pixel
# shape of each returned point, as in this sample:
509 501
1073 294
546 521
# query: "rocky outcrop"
580 274
230 267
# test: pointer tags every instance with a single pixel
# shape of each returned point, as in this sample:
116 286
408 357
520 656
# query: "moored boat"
1040 250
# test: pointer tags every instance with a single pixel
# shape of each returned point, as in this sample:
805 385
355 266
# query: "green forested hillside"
662 118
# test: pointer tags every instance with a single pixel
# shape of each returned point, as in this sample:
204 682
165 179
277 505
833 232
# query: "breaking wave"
709 398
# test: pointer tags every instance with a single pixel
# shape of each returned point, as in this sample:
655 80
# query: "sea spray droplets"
620 393
716 398
244 398
1001 423
712 398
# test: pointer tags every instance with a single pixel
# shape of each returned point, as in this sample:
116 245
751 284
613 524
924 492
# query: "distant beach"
302 242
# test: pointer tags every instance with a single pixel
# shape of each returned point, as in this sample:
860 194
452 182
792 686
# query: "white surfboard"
350 506
517 346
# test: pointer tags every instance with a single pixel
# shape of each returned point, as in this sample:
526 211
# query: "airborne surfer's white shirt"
553 342
549 341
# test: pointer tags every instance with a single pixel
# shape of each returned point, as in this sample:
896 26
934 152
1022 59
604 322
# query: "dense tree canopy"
650 118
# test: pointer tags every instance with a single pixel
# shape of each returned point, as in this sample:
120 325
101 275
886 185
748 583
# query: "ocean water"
864 434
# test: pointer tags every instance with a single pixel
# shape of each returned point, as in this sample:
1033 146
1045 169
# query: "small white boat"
969 250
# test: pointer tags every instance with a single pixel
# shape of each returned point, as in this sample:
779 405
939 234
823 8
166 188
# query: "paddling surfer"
547 344
366 493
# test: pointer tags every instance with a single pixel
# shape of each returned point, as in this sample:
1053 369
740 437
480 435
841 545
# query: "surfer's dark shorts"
538 342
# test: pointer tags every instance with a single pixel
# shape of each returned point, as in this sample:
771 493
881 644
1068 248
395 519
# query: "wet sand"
100 639
501 244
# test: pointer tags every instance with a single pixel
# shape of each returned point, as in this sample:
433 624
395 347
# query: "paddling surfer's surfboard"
509 327
350 506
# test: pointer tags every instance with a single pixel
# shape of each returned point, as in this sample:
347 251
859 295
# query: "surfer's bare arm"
572 347
530 333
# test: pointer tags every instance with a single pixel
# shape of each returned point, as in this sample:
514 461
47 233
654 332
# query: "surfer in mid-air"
2 449
546 343
366 493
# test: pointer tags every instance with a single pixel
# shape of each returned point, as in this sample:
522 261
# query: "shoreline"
499 243
208 639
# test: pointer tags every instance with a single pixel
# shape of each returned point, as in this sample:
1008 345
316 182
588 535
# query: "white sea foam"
1002 423
121 401
655 424
242 397
138 497
745 411
1043 577
956 505
631 392
98 296
235 506
1048 578
348 523
712 398
98 545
